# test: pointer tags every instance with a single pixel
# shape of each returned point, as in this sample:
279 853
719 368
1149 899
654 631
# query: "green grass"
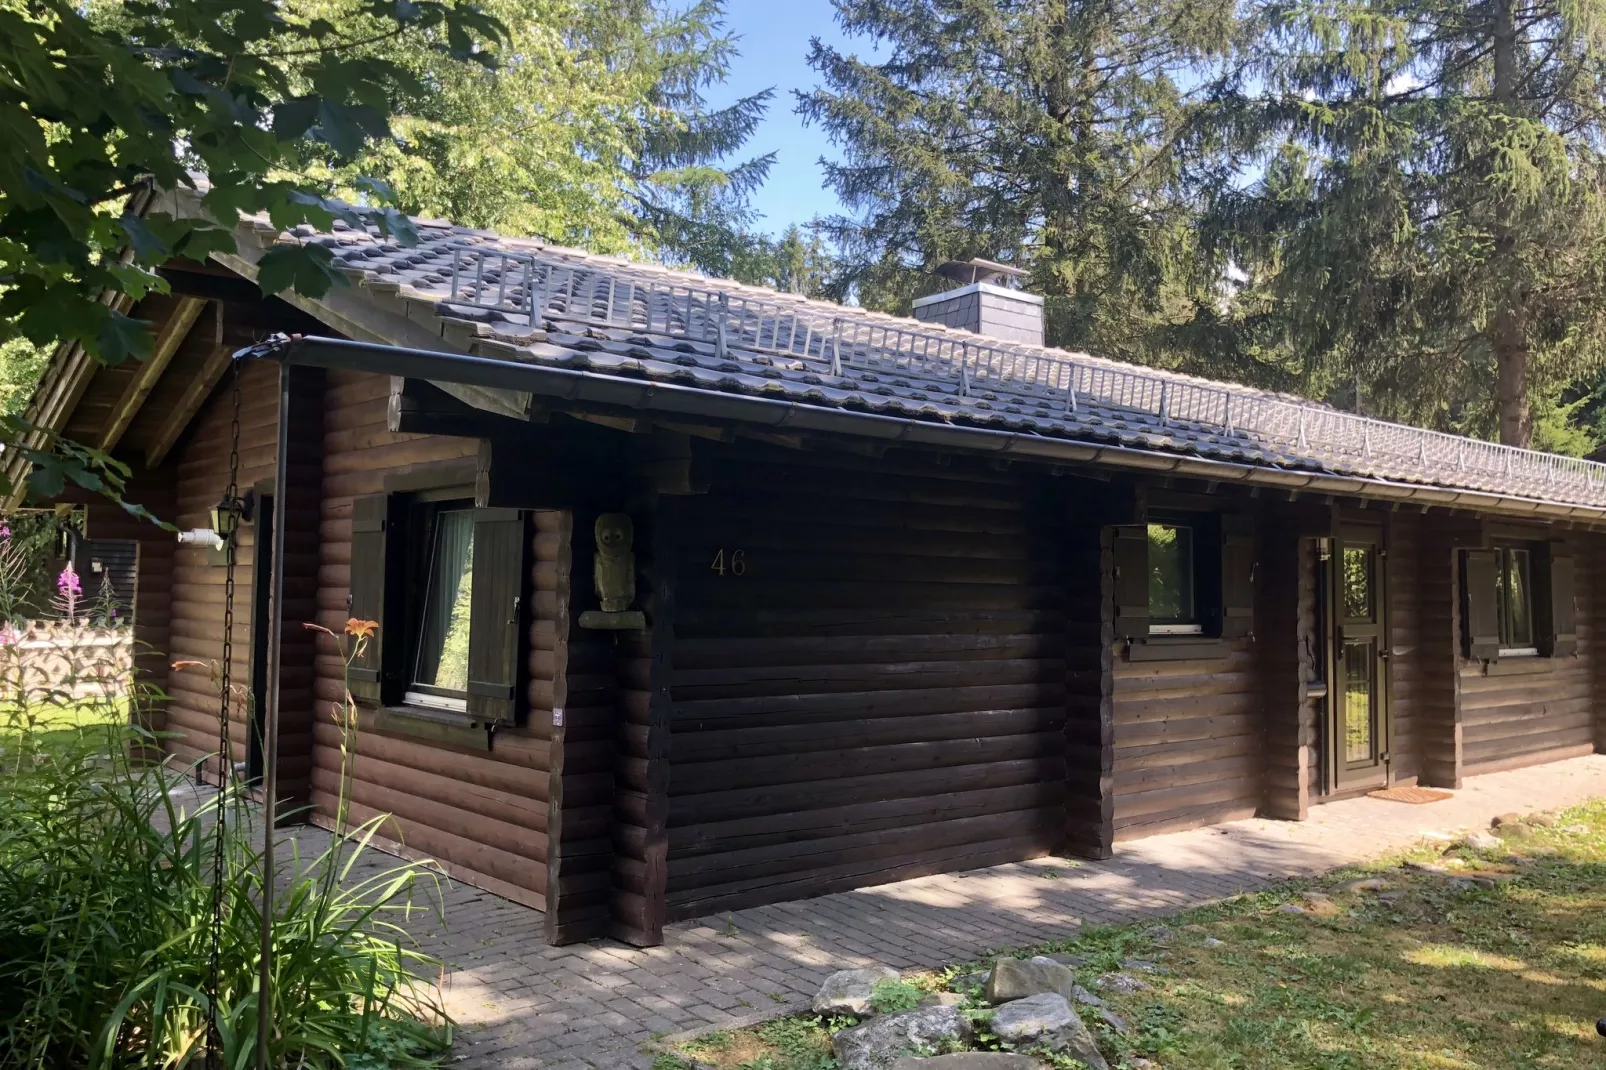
1431 975
58 724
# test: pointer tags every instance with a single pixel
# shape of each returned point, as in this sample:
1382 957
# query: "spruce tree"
1058 135
1428 220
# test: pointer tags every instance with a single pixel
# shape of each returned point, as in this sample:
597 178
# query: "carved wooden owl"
615 563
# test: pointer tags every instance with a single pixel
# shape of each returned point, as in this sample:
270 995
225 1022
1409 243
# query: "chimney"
982 305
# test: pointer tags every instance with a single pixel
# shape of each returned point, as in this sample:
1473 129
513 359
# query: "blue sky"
774 44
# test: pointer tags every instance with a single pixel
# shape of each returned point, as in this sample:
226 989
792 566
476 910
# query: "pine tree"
1430 217
1059 135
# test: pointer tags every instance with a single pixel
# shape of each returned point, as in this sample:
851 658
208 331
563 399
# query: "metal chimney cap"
968 272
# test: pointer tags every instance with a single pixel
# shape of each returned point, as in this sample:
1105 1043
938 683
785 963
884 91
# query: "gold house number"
734 562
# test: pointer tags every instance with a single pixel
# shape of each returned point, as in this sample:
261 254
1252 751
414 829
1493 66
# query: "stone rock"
942 999
1518 831
966 981
1502 820
970 1060
1211 941
1366 884
1086 998
1121 982
1019 978
1023 1020
1141 966
1159 934
1115 1022
1428 867
1292 908
1069 961
848 991
1477 841
1541 820
1076 1040
881 1041
1576 830
1140 1063
1322 906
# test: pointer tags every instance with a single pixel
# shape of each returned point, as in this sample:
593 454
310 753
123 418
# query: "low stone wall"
56 661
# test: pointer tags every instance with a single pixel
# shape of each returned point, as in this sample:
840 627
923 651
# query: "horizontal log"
414 811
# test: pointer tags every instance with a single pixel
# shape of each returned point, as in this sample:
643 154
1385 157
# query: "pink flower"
5 531
67 583
9 636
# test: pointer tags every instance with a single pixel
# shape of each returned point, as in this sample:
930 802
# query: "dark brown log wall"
481 813
1285 621
198 584
880 691
1432 694
1510 721
1187 741
1412 646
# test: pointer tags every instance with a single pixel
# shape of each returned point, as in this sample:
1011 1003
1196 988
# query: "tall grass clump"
107 939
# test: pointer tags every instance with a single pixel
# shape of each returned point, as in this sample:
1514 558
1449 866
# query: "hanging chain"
231 496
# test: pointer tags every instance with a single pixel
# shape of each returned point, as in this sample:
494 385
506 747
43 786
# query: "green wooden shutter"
1556 610
496 610
1479 605
369 530
1131 559
1237 577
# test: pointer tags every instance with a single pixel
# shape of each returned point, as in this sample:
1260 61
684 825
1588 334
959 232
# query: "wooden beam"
172 333
194 396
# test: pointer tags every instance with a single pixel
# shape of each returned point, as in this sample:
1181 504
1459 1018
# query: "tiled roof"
537 303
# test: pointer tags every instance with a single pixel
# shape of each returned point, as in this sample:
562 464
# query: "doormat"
1410 795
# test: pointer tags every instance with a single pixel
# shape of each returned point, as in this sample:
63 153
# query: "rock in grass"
1477 841
1019 978
848 991
966 981
1086 998
1541 820
1502 820
1069 961
1211 941
1320 905
1023 1020
883 1040
1159 934
1121 982
1366 884
970 1060
1115 1022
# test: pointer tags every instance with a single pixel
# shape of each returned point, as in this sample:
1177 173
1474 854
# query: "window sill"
436 726
1175 648
1519 665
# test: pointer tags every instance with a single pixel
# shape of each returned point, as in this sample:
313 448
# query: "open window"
1185 575
1518 601
446 582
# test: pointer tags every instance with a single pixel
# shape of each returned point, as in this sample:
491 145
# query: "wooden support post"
1438 708
1286 644
1089 690
645 670
581 791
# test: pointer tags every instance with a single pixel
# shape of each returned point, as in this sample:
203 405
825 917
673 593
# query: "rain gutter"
563 384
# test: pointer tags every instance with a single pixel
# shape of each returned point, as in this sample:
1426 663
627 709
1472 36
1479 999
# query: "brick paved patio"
523 1004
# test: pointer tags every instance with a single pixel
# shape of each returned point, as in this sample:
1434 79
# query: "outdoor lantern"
226 517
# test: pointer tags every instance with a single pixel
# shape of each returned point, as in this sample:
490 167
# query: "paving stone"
517 998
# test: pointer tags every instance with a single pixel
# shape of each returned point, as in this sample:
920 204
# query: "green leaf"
147 246
307 269
120 337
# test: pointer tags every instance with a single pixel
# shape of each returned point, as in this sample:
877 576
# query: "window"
1514 600
438 634
1173 601
1184 575
1517 600
446 582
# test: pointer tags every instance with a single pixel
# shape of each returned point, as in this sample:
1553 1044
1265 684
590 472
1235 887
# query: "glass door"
1358 734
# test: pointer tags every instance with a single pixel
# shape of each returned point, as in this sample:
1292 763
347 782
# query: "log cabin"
695 596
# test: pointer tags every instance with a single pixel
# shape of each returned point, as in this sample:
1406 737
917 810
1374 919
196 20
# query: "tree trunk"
1510 344
1508 336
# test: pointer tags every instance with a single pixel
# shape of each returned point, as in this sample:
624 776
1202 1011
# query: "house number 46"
732 561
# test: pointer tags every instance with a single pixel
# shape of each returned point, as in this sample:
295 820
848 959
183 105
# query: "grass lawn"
1497 963
50 723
